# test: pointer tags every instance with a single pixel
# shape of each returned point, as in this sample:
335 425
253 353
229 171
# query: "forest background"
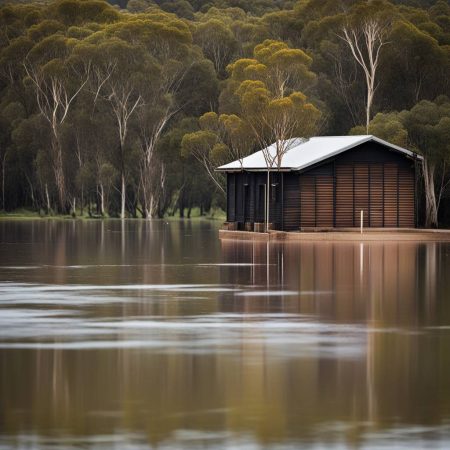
123 109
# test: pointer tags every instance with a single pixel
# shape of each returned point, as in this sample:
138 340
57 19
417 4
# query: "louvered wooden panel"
361 196
344 196
406 185
376 195
390 195
324 201
291 212
307 201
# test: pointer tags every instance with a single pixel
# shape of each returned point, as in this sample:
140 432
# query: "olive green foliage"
126 107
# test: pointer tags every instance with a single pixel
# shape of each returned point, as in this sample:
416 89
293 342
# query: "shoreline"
343 235
26 217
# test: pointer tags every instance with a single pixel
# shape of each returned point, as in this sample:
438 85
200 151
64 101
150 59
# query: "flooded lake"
156 335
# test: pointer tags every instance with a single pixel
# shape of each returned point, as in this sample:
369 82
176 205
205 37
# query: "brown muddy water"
155 335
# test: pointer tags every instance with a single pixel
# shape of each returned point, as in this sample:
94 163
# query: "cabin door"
247 201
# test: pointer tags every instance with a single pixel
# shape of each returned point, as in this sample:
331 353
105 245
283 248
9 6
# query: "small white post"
362 220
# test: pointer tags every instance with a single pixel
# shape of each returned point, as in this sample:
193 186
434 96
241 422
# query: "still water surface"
157 335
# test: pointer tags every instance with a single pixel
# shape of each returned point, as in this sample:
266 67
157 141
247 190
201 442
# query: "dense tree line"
124 109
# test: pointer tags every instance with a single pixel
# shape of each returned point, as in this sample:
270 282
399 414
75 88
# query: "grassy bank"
27 214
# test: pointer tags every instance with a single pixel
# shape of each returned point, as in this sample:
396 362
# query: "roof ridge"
343 136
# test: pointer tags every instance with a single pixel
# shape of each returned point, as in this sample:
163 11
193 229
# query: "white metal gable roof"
304 153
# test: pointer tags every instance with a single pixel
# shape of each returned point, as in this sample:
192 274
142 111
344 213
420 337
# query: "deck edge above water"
395 235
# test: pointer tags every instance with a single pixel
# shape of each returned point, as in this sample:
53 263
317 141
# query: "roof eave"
365 138
398 148
255 169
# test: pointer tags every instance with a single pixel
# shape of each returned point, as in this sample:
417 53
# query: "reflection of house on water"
388 291
378 281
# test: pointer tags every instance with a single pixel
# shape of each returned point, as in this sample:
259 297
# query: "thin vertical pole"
267 201
265 207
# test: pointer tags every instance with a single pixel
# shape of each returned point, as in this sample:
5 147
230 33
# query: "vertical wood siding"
390 187
406 198
361 194
379 182
376 195
344 196
291 201
307 201
324 201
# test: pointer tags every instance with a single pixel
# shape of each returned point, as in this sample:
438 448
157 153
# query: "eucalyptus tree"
57 83
116 77
428 126
425 128
217 43
418 62
270 91
205 147
365 31
270 110
168 42
138 66
4 148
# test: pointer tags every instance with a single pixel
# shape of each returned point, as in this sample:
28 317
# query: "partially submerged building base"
342 234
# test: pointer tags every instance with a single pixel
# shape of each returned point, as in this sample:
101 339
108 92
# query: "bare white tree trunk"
47 197
123 107
149 177
54 98
58 169
431 217
102 200
365 43
74 205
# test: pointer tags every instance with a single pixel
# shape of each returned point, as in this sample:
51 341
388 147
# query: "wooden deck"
343 234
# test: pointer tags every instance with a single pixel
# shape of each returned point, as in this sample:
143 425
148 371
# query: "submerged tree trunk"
74 206
102 200
431 216
58 170
82 200
47 197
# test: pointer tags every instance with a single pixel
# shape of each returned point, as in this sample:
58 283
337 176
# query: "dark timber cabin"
325 182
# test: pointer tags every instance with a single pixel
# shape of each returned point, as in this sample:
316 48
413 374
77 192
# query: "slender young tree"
117 72
365 39
277 124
